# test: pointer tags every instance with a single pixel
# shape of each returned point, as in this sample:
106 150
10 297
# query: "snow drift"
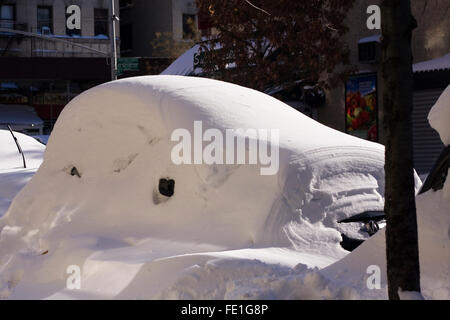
130 241
433 223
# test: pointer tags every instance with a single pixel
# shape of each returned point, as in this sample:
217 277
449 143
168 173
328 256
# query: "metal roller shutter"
427 144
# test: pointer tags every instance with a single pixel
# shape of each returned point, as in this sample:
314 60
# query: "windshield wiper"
18 146
365 217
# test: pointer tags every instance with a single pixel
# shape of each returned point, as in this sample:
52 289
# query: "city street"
207 150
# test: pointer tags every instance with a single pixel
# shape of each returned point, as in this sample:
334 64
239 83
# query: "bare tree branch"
262 10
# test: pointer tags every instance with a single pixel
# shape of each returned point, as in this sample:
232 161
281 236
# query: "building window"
204 24
123 4
126 38
7 16
189 26
369 52
44 20
101 25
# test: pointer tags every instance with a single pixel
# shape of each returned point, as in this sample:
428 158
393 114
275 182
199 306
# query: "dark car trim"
438 174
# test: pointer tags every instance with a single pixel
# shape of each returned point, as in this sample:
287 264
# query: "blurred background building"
45 62
154 33
356 107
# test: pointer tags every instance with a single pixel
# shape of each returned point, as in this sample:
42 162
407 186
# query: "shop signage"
127 64
361 114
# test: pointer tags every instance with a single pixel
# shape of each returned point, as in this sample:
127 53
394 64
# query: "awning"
184 64
17 114
374 38
8 86
190 63
438 64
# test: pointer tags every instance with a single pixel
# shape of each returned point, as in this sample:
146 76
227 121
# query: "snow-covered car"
113 199
438 175
433 222
13 175
433 219
21 118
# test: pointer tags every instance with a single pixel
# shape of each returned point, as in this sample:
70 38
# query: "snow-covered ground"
13 176
227 232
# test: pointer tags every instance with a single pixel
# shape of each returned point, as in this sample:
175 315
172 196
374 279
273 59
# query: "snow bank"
410 295
439 116
129 241
227 277
433 208
433 223
246 279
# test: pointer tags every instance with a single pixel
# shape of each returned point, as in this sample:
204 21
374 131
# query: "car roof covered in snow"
177 101
99 187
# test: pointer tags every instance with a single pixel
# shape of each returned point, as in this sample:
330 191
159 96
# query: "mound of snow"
439 116
113 223
232 277
433 222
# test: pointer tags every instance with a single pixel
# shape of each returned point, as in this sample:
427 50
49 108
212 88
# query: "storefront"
430 79
48 84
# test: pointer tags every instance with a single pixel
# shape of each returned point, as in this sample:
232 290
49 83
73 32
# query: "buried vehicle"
433 228
123 192
20 157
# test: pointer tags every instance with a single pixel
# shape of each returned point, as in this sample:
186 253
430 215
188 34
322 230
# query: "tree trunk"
401 231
